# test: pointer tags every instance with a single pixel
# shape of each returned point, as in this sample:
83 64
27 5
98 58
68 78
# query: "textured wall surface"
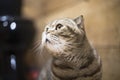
102 24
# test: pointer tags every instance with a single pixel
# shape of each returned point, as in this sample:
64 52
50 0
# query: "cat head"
62 34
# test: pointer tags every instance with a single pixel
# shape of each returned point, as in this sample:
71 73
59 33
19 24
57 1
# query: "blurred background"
102 25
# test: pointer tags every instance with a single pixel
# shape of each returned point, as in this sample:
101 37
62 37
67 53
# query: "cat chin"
49 48
56 54
53 51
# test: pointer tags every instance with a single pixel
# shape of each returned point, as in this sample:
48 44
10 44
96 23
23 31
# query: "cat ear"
80 22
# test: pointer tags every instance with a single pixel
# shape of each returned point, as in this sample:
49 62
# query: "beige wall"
102 20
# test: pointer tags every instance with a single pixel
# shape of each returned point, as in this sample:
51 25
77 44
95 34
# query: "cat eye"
58 26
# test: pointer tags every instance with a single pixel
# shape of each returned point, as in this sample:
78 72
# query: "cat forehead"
63 21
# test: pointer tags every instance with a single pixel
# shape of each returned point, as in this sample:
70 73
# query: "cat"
73 58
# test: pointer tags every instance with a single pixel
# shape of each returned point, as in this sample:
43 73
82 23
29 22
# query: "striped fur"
73 58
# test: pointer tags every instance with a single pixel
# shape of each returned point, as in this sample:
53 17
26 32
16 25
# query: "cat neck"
79 57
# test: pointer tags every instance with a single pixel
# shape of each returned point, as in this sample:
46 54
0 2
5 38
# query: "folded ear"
80 22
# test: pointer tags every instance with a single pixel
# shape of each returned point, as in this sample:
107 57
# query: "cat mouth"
47 40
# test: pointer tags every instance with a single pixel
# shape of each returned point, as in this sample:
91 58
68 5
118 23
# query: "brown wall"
102 24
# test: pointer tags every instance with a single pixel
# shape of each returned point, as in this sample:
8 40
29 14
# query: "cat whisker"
39 52
36 47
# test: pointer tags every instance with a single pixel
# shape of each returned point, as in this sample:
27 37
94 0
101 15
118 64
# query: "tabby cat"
73 58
